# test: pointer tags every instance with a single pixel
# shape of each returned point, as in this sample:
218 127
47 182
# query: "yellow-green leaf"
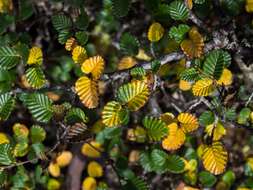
134 94
113 114
203 87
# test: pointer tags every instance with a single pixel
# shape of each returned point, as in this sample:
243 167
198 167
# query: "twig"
249 99
200 101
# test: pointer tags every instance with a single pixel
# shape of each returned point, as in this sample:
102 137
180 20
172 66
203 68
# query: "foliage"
147 93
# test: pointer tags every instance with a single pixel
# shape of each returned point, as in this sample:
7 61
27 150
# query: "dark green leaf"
6 156
9 58
120 7
156 128
206 118
129 44
39 105
35 77
178 10
207 179
7 103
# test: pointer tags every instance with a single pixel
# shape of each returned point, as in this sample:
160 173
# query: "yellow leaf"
193 47
54 169
87 91
191 165
218 132
203 87
142 55
249 6
70 44
20 130
79 54
5 6
92 149
175 138
64 158
226 78
189 4
138 134
93 65
190 188
89 183
95 169
250 162
126 63
215 158
167 117
35 56
251 117
134 156
4 139
188 122
184 85
155 32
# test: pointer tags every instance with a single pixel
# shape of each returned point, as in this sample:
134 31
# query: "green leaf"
174 164
233 7
206 118
38 149
63 36
61 22
138 71
35 77
189 75
6 156
155 65
9 58
75 115
120 8
159 161
207 179
146 161
214 64
39 105
82 37
178 33
243 116
199 1
151 5
25 9
229 177
230 114
178 10
159 157
20 179
37 134
162 13
135 184
6 21
227 58
7 103
108 133
156 128
82 21
3 178
129 45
